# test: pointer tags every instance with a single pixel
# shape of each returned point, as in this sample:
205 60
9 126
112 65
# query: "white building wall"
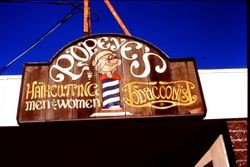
9 96
225 92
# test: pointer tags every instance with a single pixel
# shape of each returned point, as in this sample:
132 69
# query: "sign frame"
143 87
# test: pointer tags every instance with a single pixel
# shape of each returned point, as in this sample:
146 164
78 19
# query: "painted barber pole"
111 92
106 63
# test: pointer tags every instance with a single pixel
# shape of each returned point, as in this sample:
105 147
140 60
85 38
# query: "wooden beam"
118 19
216 154
86 18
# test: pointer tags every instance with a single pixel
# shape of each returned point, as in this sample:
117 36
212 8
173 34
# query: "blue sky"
213 32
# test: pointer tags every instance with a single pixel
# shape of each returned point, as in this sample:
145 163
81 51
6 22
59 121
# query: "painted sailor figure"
106 63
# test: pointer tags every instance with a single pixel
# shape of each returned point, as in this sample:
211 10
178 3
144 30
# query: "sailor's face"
109 62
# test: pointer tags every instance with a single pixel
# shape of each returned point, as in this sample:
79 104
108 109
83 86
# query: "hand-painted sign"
109 75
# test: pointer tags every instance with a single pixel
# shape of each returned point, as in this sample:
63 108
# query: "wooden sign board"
109 76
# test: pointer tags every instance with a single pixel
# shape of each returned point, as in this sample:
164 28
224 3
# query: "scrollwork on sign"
136 64
67 70
79 55
159 95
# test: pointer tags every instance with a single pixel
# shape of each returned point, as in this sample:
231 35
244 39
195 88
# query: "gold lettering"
80 103
168 91
29 91
155 89
89 103
37 92
69 90
53 93
96 103
175 92
46 90
37 105
30 105
143 94
40 90
161 91
92 90
80 91
77 103
60 91
149 94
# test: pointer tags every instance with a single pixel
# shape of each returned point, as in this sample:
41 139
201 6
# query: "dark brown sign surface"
109 76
